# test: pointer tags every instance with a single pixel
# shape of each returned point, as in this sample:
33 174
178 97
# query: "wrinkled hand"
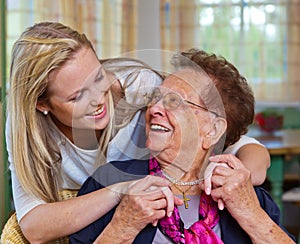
233 186
147 201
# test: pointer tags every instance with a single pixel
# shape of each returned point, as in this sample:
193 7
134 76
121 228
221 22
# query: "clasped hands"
227 180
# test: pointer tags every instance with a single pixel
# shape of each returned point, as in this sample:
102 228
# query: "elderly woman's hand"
233 186
147 201
158 188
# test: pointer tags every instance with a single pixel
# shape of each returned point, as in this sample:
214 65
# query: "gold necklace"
184 198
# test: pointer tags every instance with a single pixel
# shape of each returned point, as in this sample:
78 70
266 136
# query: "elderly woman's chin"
156 143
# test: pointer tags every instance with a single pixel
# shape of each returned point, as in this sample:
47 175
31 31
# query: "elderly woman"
186 121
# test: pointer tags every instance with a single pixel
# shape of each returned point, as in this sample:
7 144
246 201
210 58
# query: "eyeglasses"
170 100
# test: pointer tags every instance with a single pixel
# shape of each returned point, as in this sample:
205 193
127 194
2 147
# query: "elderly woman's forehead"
188 79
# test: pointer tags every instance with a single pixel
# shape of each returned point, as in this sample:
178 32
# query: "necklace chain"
184 197
179 182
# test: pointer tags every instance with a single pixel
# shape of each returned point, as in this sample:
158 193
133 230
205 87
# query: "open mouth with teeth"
99 110
155 127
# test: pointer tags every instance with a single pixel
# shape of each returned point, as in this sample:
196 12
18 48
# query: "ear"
42 106
215 132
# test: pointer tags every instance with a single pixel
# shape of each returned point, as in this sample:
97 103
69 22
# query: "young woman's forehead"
80 66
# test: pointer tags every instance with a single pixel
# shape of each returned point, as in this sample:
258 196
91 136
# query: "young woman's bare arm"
256 158
53 220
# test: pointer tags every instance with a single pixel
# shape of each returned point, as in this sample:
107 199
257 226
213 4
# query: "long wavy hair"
40 50
137 77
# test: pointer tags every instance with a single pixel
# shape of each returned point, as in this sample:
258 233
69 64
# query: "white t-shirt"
244 140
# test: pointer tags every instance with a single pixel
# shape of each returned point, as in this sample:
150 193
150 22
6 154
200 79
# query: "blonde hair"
39 50
136 76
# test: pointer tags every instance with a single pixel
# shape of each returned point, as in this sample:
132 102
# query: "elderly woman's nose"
157 109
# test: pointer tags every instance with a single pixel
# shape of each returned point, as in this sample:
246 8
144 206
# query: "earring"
45 112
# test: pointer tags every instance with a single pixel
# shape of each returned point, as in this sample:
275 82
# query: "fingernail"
207 190
169 214
221 205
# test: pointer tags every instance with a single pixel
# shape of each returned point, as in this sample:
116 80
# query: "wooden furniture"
280 145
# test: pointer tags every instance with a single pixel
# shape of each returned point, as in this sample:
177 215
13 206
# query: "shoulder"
265 198
132 166
244 140
115 172
268 204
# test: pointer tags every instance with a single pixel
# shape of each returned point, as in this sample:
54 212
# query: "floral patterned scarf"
201 231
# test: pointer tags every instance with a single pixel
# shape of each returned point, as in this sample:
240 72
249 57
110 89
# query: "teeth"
159 127
99 110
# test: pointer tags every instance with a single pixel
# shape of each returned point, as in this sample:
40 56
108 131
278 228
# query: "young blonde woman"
60 127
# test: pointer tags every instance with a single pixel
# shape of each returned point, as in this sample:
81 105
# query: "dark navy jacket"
115 172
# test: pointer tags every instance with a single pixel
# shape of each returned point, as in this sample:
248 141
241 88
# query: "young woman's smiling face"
78 93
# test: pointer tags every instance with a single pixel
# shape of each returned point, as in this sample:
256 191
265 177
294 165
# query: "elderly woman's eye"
173 99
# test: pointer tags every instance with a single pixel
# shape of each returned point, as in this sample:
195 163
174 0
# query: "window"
109 24
260 37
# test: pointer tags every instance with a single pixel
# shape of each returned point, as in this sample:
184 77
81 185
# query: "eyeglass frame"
181 100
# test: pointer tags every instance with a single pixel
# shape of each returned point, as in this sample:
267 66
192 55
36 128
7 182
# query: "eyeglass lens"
170 100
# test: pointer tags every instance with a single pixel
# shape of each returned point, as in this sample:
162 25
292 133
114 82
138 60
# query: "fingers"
219 174
207 177
159 214
152 188
231 160
166 194
170 200
208 174
221 204
156 188
178 201
145 183
154 223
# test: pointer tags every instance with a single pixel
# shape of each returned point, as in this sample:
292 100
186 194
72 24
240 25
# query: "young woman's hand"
206 185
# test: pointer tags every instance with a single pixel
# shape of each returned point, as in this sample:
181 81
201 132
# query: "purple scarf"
201 231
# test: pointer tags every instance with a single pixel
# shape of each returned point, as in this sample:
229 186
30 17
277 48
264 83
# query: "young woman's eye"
99 78
77 97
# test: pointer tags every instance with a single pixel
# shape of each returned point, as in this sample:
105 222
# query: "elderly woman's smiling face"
175 128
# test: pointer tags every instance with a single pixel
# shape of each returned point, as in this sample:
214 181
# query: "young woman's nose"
96 98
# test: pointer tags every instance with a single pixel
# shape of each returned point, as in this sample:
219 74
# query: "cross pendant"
185 200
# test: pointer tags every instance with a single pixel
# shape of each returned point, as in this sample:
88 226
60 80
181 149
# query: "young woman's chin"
102 123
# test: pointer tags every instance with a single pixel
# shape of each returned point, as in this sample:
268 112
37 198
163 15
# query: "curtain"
109 24
261 38
293 62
